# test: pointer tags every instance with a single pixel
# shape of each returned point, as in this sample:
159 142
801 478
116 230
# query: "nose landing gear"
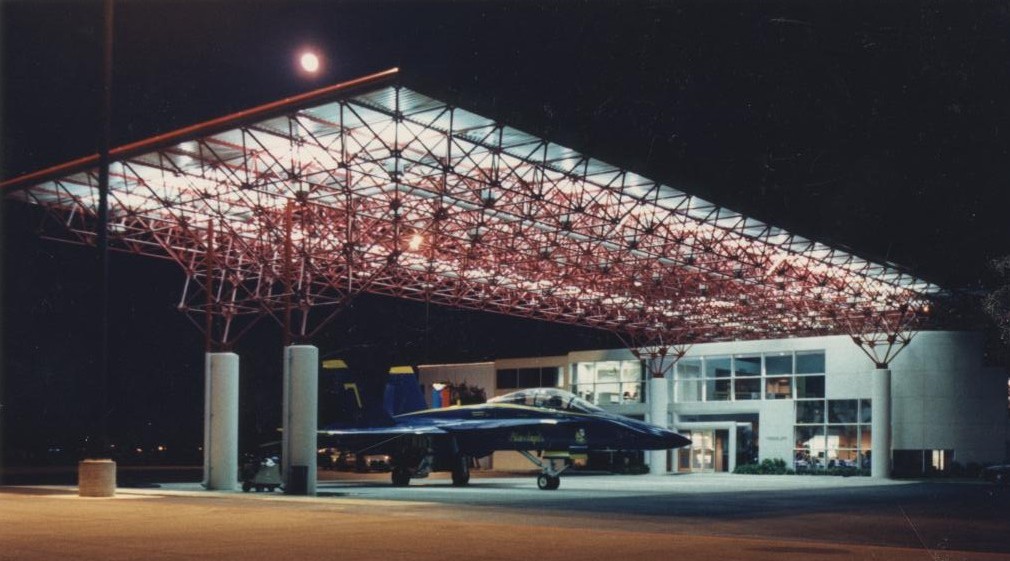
550 476
547 482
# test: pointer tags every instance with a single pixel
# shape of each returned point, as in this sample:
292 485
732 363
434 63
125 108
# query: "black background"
878 127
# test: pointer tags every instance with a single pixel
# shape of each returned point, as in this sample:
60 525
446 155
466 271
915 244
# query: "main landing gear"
550 476
461 471
401 475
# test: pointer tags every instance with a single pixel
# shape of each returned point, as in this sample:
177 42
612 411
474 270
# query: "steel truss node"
372 187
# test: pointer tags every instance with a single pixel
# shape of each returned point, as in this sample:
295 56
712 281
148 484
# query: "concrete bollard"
96 478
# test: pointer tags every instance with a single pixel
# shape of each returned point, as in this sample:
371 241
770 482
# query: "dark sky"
881 127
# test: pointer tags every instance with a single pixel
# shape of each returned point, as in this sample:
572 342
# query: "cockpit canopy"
550 398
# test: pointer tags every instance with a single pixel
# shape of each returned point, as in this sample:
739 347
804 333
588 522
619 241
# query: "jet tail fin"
351 399
347 398
402 393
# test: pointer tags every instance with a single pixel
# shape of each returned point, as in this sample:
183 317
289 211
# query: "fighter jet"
546 425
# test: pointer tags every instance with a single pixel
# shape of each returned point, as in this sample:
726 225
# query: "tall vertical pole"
880 427
103 229
97 473
659 400
221 392
300 419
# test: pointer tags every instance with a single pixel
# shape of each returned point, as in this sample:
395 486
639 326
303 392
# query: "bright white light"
438 386
415 242
309 62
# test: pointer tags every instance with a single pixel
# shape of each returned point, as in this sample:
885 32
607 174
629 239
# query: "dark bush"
766 467
778 467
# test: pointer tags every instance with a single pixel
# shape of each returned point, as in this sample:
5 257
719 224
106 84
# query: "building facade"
806 401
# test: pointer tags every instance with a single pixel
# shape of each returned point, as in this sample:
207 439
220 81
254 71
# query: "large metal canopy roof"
370 186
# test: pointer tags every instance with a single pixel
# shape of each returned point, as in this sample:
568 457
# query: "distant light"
438 386
309 61
415 242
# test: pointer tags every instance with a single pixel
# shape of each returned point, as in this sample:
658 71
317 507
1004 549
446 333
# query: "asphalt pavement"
696 516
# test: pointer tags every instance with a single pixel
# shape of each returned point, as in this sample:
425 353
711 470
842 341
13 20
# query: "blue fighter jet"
552 422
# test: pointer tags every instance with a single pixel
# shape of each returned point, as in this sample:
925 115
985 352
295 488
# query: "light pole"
97 472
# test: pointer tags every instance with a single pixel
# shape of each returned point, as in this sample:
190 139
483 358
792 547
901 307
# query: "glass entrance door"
703 450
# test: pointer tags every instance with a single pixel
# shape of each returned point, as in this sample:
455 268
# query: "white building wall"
479 374
945 399
943 396
775 430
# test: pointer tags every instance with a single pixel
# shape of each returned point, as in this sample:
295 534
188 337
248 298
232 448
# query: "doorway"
708 451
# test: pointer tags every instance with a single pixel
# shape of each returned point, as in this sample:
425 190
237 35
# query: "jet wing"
446 427
391 431
481 435
482 425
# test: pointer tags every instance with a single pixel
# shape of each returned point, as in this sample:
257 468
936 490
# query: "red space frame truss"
387 191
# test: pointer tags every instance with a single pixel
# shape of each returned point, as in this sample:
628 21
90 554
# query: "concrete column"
675 456
880 453
659 399
301 405
732 448
220 421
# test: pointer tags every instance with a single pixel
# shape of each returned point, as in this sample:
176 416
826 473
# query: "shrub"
779 467
766 467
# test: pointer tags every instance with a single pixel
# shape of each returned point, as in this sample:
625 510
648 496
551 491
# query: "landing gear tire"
548 482
246 486
461 472
401 477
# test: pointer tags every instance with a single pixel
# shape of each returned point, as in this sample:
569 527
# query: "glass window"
810 362
810 438
718 390
779 388
689 368
843 410
605 382
585 373
529 378
689 390
631 371
747 388
747 366
810 411
865 411
549 377
781 363
843 436
844 458
865 438
608 371
506 379
809 386
802 461
717 367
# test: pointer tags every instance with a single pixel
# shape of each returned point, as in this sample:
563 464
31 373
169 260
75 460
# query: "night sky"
879 127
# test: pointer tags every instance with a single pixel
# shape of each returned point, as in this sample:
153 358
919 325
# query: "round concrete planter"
96 478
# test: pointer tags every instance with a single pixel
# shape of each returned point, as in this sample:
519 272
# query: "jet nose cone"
667 439
675 440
